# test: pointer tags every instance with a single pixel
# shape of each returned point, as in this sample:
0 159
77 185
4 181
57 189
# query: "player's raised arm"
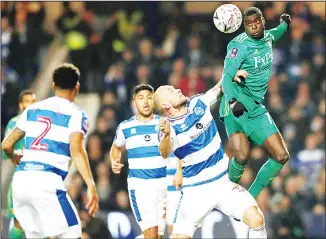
279 31
165 146
235 56
79 156
216 93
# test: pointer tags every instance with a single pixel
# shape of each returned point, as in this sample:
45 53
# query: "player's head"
142 99
66 78
167 100
254 22
26 98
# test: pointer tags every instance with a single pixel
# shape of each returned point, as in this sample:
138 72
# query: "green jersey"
254 56
21 143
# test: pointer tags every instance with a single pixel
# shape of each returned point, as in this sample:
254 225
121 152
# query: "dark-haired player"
26 98
244 115
54 132
147 169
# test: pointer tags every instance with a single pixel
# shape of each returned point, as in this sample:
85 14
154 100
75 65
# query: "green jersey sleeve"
11 124
236 55
278 31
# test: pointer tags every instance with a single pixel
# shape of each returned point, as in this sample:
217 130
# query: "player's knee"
151 233
241 156
282 157
253 217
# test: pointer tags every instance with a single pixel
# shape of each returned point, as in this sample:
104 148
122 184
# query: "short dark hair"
251 11
66 76
25 92
141 87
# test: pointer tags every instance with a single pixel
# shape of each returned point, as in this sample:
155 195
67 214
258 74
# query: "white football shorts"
43 207
148 206
196 202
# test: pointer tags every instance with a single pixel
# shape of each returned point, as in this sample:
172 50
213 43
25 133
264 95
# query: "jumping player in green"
26 98
241 109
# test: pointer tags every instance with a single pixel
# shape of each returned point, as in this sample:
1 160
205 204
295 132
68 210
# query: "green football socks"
235 171
16 233
265 176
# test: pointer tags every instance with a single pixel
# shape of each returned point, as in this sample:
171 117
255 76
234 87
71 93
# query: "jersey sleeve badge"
234 52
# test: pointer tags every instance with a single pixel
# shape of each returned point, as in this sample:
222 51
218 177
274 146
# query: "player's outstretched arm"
215 94
165 146
115 158
9 142
79 156
278 32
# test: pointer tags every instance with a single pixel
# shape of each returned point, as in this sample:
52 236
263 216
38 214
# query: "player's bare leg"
240 150
180 236
151 233
254 218
170 229
279 153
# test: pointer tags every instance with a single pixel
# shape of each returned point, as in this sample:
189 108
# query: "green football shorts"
257 123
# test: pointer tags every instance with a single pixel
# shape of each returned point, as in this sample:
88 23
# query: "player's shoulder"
238 41
268 36
14 119
127 123
78 111
193 100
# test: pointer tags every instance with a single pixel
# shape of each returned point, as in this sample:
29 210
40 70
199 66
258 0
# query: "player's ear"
263 20
53 86
20 105
77 88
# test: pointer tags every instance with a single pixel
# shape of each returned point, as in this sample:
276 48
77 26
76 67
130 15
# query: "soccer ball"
227 18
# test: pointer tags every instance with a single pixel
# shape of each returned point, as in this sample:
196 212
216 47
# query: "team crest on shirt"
147 138
133 131
199 111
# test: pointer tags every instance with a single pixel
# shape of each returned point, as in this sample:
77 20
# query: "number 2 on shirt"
36 145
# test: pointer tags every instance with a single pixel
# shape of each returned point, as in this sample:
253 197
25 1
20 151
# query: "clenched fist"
116 166
165 126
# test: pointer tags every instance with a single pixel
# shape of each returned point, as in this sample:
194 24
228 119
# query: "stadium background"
118 45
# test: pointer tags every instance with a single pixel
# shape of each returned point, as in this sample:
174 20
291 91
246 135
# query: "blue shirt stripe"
172 188
139 130
206 181
198 143
171 171
191 119
193 170
53 146
56 118
147 173
38 166
143 152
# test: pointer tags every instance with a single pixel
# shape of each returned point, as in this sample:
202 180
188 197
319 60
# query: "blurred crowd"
117 46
